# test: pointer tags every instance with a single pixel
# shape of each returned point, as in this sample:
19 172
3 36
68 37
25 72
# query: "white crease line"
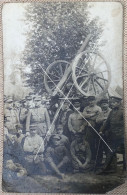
76 110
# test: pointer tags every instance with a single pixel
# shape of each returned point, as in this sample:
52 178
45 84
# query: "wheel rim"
54 73
91 73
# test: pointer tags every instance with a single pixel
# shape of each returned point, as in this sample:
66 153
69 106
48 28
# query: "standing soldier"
23 115
63 118
13 121
75 122
100 121
91 112
39 117
114 133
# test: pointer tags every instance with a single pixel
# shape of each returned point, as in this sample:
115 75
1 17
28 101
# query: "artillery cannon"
89 69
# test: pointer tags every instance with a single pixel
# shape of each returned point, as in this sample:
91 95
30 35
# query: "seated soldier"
13 171
57 156
81 154
33 148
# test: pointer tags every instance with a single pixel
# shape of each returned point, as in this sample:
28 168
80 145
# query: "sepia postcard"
64 100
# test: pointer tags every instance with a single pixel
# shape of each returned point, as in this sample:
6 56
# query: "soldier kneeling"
81 154
57 156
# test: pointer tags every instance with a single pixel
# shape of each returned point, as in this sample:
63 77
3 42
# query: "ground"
72 183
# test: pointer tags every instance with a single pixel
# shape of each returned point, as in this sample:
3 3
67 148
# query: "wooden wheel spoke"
53 81
100 64
99 84
102 71
57 71
53 75
61 70
102 78
84 82
83 75
88 89
94 86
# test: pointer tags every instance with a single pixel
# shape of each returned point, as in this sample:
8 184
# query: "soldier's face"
17 105
37 102
30 103
60 130
65 106
114 104
104 106
92 102
32 132
10 105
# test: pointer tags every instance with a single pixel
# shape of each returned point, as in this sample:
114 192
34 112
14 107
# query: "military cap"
115 98
104 100
23 100
91 98
9 100
29 97
37 98
32 126
76 101
56 136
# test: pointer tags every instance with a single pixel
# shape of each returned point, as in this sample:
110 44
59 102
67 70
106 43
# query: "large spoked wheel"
54 74
91 73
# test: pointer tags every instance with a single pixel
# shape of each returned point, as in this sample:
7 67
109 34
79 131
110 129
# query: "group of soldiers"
83 136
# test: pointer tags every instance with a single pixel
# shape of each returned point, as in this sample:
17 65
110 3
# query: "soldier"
39 117
75 122
23 115
91 112
100 121
29 102
113 130
17 106
63 118
57 156
81 154
64 140
13 121
34 147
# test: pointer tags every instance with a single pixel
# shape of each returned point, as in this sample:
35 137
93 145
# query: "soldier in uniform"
23 115
34 147
100 121
13 122
113 130
91 112
63 118
39 117
57 156
81 154
75 121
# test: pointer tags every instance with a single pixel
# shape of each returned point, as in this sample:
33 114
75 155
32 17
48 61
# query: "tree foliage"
56 31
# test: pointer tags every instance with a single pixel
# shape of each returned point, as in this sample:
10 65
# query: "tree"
56 31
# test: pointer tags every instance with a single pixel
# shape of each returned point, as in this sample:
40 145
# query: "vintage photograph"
63 97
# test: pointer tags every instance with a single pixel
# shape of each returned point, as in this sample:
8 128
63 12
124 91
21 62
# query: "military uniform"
33 147
13 119
100 121
57 156
23 116
91 112
114 133
38 116
81 154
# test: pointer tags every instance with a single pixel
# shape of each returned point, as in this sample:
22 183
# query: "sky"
109 13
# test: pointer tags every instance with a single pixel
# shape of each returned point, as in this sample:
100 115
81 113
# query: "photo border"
122 189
